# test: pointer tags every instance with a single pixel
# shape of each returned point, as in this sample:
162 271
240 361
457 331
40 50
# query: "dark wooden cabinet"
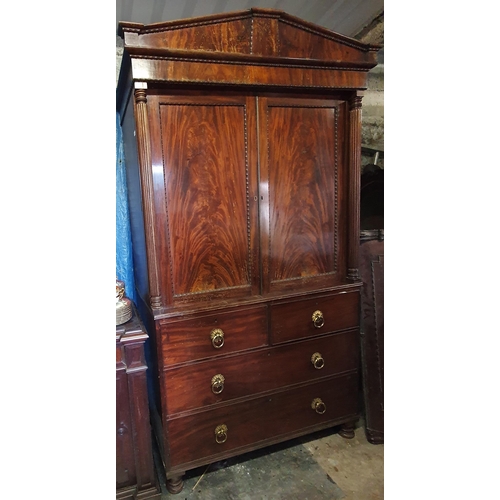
135 472
372 345
242 145
372 301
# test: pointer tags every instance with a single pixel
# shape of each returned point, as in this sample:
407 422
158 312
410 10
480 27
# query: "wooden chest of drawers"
242 147
242 378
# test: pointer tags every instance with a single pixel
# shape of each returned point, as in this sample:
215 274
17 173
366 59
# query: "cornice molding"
280 16
243 59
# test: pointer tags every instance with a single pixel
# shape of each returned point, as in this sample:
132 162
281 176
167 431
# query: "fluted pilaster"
354 186
144 150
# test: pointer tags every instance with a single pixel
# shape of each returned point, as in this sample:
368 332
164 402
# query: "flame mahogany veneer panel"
302 186
207 168
301 160
306 44
230 36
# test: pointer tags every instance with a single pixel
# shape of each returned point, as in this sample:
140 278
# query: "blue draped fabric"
124 259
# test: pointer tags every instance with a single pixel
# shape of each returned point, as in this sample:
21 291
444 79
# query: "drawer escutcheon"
318 406
218 383
317 361
221 434
217 338
318 319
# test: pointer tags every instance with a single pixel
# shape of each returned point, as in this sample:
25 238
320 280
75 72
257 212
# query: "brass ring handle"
217 383
318 406
221 434
317 361
217 338
318 319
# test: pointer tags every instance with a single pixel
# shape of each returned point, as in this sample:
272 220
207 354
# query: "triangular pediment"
254 32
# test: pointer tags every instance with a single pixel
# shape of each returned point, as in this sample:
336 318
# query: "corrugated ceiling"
347 17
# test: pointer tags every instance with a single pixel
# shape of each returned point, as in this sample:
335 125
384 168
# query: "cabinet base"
347 430
374 436
175 484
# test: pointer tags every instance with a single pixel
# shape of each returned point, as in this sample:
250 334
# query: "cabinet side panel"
135 201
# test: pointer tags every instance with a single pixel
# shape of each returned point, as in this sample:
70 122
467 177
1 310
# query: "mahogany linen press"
242 146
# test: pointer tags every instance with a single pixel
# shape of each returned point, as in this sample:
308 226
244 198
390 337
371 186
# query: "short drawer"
224 379
218 432
310 317
213 334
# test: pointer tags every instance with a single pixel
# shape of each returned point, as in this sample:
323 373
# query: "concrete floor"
319 466
355 465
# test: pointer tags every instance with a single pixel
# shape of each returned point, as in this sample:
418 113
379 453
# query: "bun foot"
347 431
175 485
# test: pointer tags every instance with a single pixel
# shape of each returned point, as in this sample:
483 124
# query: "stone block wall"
119 55
372 128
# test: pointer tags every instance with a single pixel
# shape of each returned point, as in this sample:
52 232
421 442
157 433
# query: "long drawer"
223 379
213 334
310 317
209 435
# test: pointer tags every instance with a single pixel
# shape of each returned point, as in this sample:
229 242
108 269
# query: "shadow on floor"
284 471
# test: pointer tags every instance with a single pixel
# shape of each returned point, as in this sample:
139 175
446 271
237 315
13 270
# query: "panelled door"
303 212
247 206
205 172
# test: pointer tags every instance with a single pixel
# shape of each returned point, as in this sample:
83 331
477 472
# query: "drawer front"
189 340
194 437
294 320
200 384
